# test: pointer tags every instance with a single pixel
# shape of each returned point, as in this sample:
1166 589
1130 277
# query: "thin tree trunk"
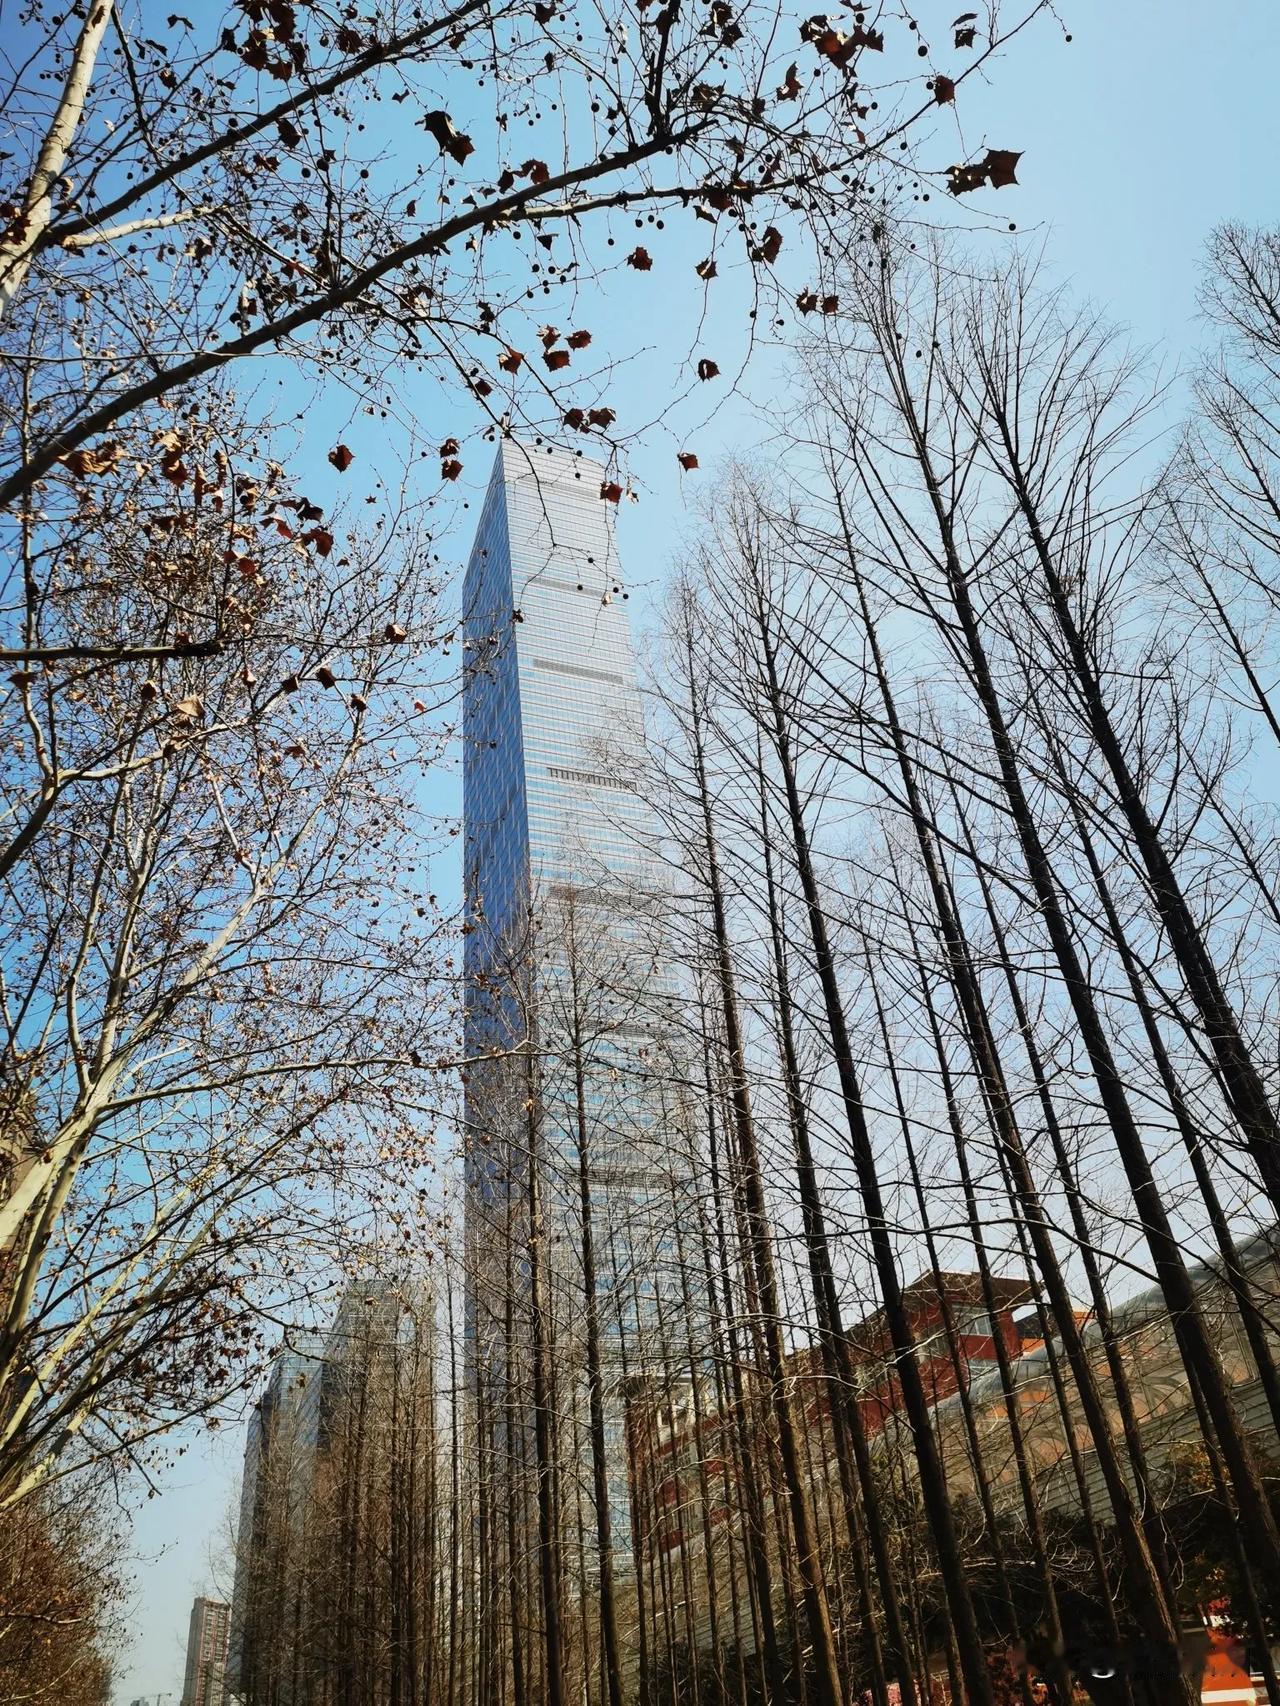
595 1379
759 1573
933 1487
817 1614
848 1431
543 1420
1234 1274
1152 1520
1178 1292
1245 1090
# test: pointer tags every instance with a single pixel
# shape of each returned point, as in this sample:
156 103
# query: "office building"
287 1460
564 910
279 1460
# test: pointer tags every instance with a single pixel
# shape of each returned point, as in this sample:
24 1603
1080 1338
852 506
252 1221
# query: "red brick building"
684 1448
926 1301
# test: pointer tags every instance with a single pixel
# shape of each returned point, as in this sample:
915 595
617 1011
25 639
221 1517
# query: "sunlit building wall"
561 867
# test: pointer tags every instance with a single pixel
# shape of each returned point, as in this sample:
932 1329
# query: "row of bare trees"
1048 939
226 987
988 798
967 723
226 1002
871 1267
348 1551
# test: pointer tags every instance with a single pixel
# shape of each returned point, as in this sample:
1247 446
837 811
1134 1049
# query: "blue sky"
1157 121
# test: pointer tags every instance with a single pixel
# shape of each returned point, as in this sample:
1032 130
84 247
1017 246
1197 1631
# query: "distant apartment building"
285 1446
279 1457
205 1680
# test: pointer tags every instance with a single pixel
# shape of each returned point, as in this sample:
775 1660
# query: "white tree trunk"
37 205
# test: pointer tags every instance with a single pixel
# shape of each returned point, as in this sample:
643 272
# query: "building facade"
279 1459
328 1519
205 1679
286 1444
1163 1402
565 975
683 1451
688 1492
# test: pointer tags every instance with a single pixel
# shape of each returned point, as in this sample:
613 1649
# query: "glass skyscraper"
551 714
564 965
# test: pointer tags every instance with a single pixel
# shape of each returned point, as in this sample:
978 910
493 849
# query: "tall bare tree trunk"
543 1408
610 1654
932 1482
828 1686
849 1432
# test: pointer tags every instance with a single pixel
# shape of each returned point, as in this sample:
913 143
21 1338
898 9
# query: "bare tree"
224 915
231 174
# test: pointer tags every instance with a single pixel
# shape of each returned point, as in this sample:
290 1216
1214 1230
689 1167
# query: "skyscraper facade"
552 716
207 1638
564 966
279 1460
289 1455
